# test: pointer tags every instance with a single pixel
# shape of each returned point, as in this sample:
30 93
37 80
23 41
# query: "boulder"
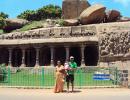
93 14
70 22
72 8
112 16
12 24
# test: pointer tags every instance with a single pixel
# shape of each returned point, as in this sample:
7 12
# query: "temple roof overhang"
50 41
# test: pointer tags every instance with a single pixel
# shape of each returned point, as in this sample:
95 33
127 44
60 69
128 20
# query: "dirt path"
46 94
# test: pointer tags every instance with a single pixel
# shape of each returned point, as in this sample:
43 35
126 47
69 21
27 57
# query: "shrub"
46 12
2 23
3 15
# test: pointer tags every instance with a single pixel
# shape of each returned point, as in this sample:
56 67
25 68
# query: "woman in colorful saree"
60 75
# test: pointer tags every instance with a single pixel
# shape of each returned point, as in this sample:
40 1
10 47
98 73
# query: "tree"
2 22
3 15
28 15
49 11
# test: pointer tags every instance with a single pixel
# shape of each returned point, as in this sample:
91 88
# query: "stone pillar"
67 53
37 56
52 55
23 58
10 57
82 48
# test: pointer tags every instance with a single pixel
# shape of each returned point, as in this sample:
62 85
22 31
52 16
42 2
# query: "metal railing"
45 77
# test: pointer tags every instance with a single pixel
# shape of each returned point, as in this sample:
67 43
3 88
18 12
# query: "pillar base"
82 65
37 66
10 65
52 65
23 66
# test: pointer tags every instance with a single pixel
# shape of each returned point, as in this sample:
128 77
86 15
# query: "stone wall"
55 32
114 41
114 44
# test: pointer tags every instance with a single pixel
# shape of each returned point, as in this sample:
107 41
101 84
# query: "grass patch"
39 24
31 25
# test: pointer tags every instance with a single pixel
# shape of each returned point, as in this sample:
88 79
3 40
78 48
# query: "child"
67 68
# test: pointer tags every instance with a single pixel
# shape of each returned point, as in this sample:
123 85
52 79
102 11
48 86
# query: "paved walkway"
80 94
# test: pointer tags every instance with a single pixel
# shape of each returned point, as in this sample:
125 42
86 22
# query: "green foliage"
32 25
60 22
3 15
2 22
28 15
49 11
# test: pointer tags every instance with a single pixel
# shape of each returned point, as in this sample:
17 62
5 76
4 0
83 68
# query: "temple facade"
89 44
43 47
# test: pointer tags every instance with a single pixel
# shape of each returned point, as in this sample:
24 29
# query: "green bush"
60 22
28 15
31 25
2 22
3 15
46 12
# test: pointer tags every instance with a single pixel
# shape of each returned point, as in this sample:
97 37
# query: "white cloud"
123 2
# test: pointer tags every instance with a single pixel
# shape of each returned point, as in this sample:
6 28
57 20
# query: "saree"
59 81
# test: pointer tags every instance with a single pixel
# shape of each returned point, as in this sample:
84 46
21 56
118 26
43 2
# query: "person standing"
70 73
60 75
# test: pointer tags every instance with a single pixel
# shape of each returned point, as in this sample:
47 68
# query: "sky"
15 7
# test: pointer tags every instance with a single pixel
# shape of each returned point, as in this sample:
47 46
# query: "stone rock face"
115 41
83 4
12 24
112 15
72 8
93 14
71 22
